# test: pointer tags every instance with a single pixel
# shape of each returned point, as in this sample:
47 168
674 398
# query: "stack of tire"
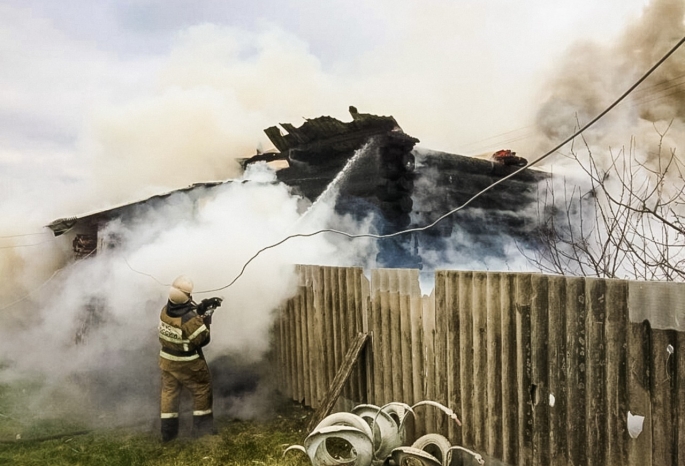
394 193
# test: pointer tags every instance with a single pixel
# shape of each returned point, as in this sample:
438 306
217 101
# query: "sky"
109 102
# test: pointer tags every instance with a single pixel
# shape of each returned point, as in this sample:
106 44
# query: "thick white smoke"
96 320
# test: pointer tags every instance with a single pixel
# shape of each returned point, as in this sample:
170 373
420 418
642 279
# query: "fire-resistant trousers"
195 377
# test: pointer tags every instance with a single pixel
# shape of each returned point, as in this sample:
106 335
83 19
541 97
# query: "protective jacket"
182 334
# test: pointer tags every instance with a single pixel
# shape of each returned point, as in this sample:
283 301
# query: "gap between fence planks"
339 381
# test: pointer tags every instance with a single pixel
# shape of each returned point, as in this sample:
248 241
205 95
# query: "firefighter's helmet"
180 290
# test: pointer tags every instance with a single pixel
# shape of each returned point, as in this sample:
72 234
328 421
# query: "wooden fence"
542 370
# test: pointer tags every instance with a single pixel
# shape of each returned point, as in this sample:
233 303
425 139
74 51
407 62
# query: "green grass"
56 442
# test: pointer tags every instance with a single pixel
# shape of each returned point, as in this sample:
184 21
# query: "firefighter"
183 331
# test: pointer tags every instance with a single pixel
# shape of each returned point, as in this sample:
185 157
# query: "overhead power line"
475 196
54 274
25 234
14 246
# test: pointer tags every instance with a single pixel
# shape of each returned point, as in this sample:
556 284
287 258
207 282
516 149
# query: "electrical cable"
475 196
26 245
143 273
54 274
25 234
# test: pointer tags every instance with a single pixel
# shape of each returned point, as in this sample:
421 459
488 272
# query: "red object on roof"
507 157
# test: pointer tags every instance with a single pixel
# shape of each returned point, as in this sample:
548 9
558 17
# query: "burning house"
376 171
379 171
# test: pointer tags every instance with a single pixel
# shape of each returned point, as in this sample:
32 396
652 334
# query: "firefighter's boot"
169 429
203 425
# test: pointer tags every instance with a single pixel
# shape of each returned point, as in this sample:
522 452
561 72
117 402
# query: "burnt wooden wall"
542 370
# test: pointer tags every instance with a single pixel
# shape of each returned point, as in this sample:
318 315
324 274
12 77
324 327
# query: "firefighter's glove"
207 305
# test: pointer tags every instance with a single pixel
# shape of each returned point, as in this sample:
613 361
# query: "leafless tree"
625 222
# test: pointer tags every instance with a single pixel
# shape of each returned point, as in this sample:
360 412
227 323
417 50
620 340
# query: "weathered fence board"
639 450
542 370
509 363
493 415
466 350
556 369
540 392
447 303
576 350
525 390
429 334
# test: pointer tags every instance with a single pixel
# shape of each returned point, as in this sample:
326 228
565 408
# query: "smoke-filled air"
108 104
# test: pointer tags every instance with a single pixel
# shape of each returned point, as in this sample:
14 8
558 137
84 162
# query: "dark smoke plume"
591 76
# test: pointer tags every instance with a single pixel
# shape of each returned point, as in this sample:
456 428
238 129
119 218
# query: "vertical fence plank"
353 324
395 335
319 358
375 325
329 340
539 369
596 408
615 331
294 349
509 370
680 398
447 284
662 388
387 338
441 369
347 329
576 349
308 310
493 347
405 292
300 355
524 377
480 355
638 386
427 414
277 345
303 314
466 357
557 370
343 329
363 303
287 340
418 365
